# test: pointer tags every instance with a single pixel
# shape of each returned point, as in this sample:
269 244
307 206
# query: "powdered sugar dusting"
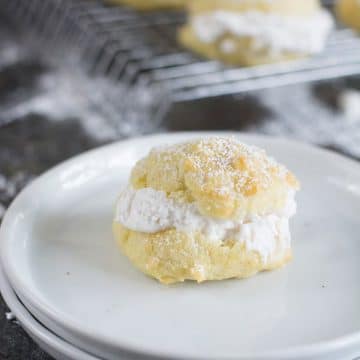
226 158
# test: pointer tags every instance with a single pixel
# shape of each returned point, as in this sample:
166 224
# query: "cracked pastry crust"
226 180
243 50
348 11
151 4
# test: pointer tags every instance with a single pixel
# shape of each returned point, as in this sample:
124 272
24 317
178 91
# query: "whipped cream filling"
272 32
149 211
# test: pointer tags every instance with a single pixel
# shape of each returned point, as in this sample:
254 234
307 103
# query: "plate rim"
31 326
316 349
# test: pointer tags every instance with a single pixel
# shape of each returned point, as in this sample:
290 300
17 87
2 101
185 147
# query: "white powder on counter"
349 102
9 316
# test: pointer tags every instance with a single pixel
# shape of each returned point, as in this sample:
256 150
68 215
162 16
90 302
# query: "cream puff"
208 209
252 32
348 11
151 4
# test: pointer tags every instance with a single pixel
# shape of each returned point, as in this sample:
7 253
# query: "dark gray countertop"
30 143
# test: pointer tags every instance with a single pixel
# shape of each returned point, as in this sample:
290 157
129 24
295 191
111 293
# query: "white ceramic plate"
52 344
58 252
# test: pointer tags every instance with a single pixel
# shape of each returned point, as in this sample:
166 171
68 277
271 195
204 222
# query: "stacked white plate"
79 298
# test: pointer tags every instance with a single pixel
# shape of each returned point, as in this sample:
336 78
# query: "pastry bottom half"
171 256
242 52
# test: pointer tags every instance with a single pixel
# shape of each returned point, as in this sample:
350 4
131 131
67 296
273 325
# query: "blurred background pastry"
208 209
251 32
348 11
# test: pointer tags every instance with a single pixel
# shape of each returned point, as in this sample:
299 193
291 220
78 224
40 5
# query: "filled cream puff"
208 209
348 11
252 32
150 4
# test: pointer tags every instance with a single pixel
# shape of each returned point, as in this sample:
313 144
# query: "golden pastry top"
281 7
225 178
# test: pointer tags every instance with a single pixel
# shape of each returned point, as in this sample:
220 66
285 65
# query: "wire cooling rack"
147 71
141 49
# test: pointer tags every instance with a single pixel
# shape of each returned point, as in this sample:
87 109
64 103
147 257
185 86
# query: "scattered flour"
349 102
9 316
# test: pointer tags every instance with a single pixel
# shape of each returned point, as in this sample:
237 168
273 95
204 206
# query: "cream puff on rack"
208 209
348 11
252 32
150 4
